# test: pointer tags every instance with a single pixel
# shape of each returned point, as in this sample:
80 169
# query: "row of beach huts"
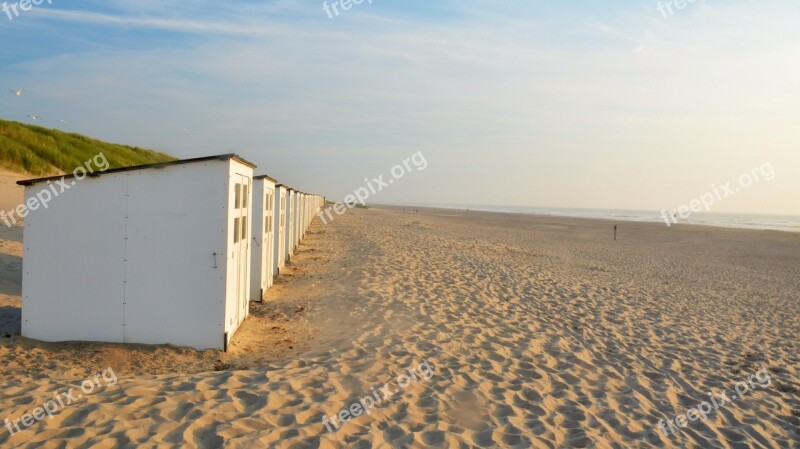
168 253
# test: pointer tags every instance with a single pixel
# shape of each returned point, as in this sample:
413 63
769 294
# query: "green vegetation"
40 151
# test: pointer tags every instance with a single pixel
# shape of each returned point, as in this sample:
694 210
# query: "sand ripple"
540 336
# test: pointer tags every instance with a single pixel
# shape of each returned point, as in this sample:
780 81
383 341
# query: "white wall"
73 267
263 240
280 233
290 206
237 255
269 235
257 247
299 203
303 208
128 257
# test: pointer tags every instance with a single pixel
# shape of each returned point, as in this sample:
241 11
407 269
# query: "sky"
615 104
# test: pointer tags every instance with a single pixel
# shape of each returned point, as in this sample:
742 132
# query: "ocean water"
788 223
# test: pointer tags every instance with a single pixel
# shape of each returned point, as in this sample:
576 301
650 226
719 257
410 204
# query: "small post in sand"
615 233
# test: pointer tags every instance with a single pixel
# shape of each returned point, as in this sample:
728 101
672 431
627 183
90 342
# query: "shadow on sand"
10 321
11 277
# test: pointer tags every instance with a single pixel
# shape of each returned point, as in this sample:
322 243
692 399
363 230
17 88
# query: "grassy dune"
42 151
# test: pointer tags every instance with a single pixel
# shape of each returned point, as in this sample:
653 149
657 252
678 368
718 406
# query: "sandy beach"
540 332
399 225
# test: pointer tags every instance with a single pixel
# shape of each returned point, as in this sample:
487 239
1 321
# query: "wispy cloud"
177 25
591 101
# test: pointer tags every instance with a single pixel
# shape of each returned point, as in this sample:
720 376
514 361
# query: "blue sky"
539 103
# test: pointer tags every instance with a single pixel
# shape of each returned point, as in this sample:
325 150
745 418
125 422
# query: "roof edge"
220 157
267 177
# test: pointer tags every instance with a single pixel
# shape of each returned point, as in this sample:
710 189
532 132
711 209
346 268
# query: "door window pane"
238 197
245 203
244 228
235 230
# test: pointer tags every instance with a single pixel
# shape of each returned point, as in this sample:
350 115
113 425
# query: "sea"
787 223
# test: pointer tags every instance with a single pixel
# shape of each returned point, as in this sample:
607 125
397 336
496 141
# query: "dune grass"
41 151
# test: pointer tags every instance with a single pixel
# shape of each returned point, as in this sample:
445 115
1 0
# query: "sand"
11 195
541 332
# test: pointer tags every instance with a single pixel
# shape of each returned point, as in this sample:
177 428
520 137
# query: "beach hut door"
241 243
266 254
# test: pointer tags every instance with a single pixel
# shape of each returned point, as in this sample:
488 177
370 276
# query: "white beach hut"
309 208
279 248
151 254
262 253
295 214
312 209
301 209
290 211
307 202
304 201
298 222
295 243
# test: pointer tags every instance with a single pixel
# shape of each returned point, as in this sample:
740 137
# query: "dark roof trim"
267 177
242 161
221 157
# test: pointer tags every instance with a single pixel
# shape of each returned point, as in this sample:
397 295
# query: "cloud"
176 25
596 108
